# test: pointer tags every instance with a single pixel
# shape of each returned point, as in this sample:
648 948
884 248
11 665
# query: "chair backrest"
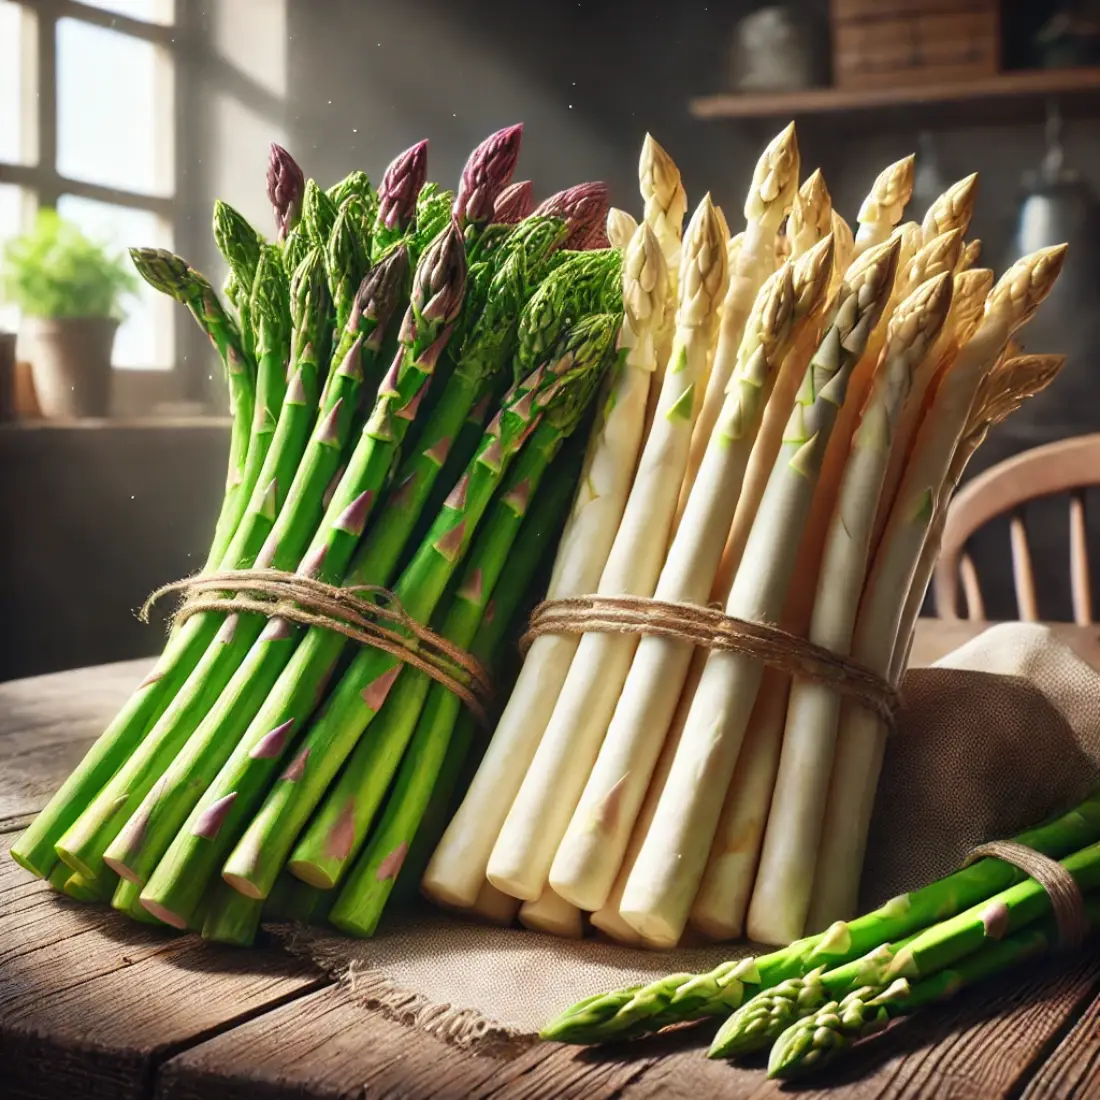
1067 466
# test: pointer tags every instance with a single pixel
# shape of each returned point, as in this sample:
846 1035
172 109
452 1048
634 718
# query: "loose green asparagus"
681 997
812 1043
468 623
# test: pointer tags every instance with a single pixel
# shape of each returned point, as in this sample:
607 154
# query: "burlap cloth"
993 738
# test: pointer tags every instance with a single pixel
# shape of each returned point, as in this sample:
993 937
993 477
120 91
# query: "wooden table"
92 1005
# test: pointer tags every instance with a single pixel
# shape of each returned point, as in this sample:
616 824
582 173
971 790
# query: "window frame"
136 390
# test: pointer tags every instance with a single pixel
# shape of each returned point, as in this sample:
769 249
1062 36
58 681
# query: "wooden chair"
1067 466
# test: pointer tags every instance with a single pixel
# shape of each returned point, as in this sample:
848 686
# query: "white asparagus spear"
971 288
844 249
771 193
811 218
666 875
722 901
621 227
493 905
592 848
861 734
457 868
953 209
884 204
1001 394
972 253
550 913
665 204
521 858
784 879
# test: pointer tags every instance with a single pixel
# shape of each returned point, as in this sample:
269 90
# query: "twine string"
367 614
711 628
1066 899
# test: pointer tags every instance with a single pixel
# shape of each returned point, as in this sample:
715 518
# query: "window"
87 126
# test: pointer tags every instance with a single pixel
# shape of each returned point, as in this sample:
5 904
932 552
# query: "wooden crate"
884 43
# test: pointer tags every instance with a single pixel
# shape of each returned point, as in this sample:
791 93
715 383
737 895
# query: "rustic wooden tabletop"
92 1005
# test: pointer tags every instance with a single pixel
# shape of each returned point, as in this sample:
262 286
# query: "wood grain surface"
92 1005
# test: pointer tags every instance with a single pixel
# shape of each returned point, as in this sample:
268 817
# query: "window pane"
16 53
149 11
113 121
145 338
11 213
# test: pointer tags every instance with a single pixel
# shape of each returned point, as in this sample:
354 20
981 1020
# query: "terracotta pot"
71 364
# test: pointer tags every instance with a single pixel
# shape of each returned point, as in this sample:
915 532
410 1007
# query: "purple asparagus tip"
440 280
597 238
584 208
488 171
381 290
401 183
514 203
286 183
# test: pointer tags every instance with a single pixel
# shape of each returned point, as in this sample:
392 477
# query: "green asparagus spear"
345 262
318 214
126 899
488 170
296 247
178 753
355 183
469 623
397 197
240 245
231 917
437 297
196 684
285 186
812 1043
34 849
680 997
546 406
433 215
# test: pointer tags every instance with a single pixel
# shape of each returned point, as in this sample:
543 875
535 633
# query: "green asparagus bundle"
190 754
681 997
763 1018
812 1043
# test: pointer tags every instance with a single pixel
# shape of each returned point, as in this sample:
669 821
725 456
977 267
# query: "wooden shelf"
1038 83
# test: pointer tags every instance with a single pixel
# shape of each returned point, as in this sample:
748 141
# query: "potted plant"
70 291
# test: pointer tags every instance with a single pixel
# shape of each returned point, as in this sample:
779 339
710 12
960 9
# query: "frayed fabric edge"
459 1027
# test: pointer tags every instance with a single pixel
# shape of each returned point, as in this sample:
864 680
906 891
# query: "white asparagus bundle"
664 206
553 914
771 194
862 735
884 204
538 816
721 904
456 871
592 848
844 249
972 253
621 227
781 896
666 874
1003 391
